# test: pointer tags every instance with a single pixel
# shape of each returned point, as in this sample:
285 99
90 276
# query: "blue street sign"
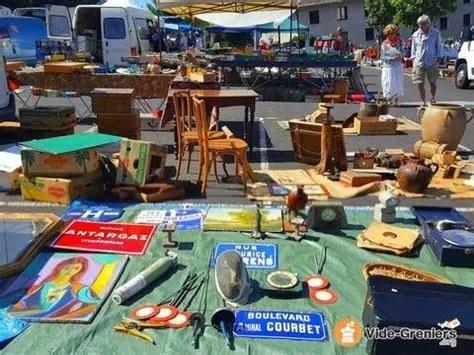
93 211
280 325
255 256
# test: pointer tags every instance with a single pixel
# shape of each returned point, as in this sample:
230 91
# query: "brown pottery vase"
415 176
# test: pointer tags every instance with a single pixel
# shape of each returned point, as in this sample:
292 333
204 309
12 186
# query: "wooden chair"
186 133
210 149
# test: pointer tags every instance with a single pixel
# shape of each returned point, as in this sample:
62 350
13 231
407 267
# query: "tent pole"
298 28
279 38
291 25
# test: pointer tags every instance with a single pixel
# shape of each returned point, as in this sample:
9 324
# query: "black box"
405 306
459 253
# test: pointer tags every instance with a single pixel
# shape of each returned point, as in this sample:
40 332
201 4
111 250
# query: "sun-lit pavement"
274 148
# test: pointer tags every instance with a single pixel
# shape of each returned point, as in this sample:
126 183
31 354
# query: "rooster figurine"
296 201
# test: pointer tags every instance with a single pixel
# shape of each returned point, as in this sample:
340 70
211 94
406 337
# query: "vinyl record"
165 313
316 282
181 320
282 279
326 296
144 312
459 238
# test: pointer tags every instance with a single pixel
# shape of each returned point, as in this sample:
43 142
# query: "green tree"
407 12
403 12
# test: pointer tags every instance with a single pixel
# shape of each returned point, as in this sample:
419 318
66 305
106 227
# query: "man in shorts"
426 48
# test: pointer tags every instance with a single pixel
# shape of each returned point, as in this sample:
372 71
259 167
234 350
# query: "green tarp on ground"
343 267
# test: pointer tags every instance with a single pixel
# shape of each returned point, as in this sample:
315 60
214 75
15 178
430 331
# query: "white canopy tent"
237 20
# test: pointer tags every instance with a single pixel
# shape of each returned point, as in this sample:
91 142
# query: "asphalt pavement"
273 147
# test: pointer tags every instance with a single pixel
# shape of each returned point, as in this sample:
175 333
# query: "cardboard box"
374 126
36 163
10 169
112 100
63 191
30 134
47 118
139 161
125 125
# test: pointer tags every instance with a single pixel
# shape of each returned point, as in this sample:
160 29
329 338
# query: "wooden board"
71 143
64 67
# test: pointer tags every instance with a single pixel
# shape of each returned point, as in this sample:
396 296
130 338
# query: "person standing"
183 42
425 50
341 44
392 59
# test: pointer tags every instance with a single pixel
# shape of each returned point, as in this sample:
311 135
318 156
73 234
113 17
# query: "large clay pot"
370 109
444 123
415 176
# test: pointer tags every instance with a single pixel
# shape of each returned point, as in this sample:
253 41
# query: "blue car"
18 35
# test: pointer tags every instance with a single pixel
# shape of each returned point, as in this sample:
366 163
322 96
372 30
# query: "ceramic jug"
444 123
415 176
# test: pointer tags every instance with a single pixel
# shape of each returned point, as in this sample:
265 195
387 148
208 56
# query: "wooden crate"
203 77
306 138
105 100
373 126
14 66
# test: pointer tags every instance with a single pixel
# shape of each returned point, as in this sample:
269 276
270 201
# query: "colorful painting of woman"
60 295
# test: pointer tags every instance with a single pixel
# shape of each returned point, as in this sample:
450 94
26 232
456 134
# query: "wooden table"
225 98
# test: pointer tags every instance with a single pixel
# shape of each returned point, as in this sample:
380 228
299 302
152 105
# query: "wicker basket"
401 272
306 138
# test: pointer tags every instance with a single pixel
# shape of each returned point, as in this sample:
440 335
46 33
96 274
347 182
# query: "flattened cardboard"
139 161
71 143
62 191
36 163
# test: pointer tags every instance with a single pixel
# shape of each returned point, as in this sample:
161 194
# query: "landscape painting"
63 287
243 219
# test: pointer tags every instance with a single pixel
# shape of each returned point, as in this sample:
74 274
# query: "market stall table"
146 86
220 99
343 265
329 69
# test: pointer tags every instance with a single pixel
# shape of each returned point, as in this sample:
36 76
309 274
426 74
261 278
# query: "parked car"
18 36
7 100
465 62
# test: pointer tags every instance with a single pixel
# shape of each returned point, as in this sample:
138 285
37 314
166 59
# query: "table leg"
252 123
246 125
175 133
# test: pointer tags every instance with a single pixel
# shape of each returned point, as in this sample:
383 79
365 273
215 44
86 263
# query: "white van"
112 31
465 61
7 101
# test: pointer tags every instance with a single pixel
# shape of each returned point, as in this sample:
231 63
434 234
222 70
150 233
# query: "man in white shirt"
425 50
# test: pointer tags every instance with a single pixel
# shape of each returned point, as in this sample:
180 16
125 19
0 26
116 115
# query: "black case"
395 304
446 253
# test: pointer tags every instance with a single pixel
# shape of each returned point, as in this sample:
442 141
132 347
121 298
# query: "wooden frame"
54 223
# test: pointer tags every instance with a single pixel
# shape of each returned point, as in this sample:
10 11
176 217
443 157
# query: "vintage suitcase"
442 312
109 100
451 247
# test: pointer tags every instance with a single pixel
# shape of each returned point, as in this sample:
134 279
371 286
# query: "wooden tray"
401 272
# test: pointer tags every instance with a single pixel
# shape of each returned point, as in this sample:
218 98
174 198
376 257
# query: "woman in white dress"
392 59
